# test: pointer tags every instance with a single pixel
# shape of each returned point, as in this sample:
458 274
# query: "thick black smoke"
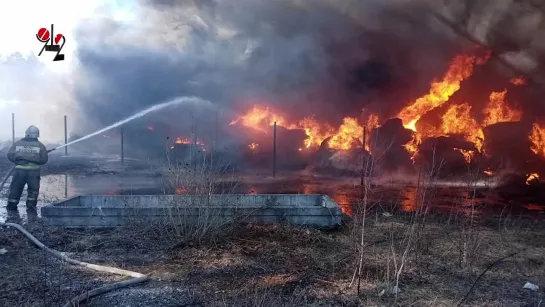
324 58
310 57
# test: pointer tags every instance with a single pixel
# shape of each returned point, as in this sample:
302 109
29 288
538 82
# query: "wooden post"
274 150
215 146
65 185
65 137
13 128
195 144
192 144
122 144
217 131
363 168
195 135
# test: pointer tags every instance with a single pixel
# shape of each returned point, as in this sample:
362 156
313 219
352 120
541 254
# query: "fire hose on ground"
136 277
6 178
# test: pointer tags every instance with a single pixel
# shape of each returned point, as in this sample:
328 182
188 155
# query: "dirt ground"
282 265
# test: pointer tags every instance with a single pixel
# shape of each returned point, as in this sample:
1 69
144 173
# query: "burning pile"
261 118
431 119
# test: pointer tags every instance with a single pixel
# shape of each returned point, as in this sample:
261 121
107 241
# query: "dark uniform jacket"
28 153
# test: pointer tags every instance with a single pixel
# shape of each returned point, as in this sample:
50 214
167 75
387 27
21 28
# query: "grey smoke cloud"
35 95
307 57
513 29
319 58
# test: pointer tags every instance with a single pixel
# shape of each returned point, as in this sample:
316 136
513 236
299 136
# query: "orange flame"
460 68
351 131
316 132
455 120
412 146
253 146
518 81
468 154
531 177
497 111
180 140
260 118
348 132
537 137
372 123
458 120
180 190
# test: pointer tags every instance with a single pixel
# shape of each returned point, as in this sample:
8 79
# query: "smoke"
512 29
322 58
34 95
328 58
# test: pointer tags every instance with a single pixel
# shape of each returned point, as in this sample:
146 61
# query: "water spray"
136 277
175 101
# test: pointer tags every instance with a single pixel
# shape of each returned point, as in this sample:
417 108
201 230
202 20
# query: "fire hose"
6 178
136 277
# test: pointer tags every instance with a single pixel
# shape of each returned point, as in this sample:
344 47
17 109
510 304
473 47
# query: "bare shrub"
468 239
198 215
403 235
369 163
406 239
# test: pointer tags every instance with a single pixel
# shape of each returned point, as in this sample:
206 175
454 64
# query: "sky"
36 89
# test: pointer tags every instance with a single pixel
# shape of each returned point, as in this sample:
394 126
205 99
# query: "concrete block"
312 210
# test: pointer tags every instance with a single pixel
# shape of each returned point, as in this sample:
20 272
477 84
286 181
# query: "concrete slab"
314 210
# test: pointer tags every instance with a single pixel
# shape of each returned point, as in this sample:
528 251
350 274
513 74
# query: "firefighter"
28 154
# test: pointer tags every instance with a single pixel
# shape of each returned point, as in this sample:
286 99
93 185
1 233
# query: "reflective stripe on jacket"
28 166
28 153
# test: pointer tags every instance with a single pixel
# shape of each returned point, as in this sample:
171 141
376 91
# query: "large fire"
440 91
455 119
262 117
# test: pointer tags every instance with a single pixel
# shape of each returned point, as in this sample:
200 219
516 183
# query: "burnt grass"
283 265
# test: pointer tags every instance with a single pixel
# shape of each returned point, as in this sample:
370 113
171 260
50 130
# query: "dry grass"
31 277
435 260
283 266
